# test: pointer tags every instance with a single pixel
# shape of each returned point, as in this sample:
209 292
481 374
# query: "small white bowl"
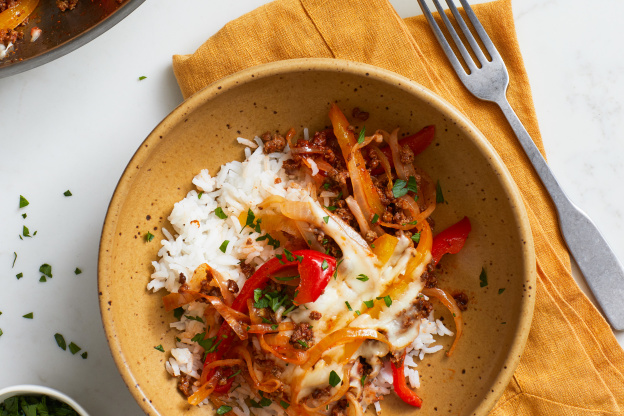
32 390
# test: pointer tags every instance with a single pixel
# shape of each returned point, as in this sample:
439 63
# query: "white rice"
196 238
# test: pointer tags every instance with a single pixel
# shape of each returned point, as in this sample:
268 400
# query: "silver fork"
602 270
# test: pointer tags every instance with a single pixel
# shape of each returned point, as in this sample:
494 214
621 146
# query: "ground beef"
292 166
302 336
6 4
273 143
373 160
182 278
232 286
315 316
406 154
206 289
462 300
66 4
318 393
429 277
420 308
370 236
345 215
247 269
185 384
340 409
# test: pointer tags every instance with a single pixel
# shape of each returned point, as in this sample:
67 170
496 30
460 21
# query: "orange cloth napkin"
572 364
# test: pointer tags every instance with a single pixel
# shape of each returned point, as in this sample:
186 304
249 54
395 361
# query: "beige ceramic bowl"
201 133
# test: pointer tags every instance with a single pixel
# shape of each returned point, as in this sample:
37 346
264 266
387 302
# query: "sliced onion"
267 386
341 337
277 340
204 390
341 391
306 150
291 355
358 214
266 328
385 164
377 137
448 301
393 141
308 236
289 137
176 300
354 408
224 363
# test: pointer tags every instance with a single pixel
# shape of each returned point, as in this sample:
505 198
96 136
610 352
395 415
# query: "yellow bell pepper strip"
15 16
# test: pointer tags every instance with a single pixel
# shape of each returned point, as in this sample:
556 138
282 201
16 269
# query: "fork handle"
602 270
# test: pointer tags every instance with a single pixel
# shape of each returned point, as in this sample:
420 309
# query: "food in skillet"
303 277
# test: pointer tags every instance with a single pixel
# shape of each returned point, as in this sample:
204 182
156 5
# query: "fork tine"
448 51
489 46
467 33
460 45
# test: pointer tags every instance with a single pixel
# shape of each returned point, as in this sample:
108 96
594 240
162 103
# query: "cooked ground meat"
66 4
5 4
232 286
273 143
420 308
370 236
345 215
10 36
302 337
247 269
292 166
315 316
429 277
359 114
340 409
462 300
318 393
373 160
185 383
406 154
206 289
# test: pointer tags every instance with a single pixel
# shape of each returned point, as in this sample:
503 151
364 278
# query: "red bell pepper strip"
417 142
400 386
450 240
315 270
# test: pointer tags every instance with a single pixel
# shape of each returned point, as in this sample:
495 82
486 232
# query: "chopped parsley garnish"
363 379
67 193
178 312
289 255
208 344
362 278
501 290
224 409
23 202
224 245
77 271
412 185
60 341
399 188
271 299
46 269
219 213
326 219
334 379
24 215
483 281
265 402
324 265
362 135
234 374
416 237
194 318
326 186
274 327
250 221
84 355
331 208
375 219
73 348
43 279
358 313
14 259
29 315
272 241
149 237
26 231
19 275
386 299
439 196
37 405
348 306
1 332
141 78
199 195
369 303
336 271
302 343
286 278
284 404
159 348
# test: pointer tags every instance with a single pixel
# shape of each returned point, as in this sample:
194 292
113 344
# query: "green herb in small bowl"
30 400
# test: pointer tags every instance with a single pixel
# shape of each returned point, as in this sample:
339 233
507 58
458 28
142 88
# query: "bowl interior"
34 390
202 133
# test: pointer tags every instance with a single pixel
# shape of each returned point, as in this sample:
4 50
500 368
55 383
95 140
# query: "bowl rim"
257 72
33 389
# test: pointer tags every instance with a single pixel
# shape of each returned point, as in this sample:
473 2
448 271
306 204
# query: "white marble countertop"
73 124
